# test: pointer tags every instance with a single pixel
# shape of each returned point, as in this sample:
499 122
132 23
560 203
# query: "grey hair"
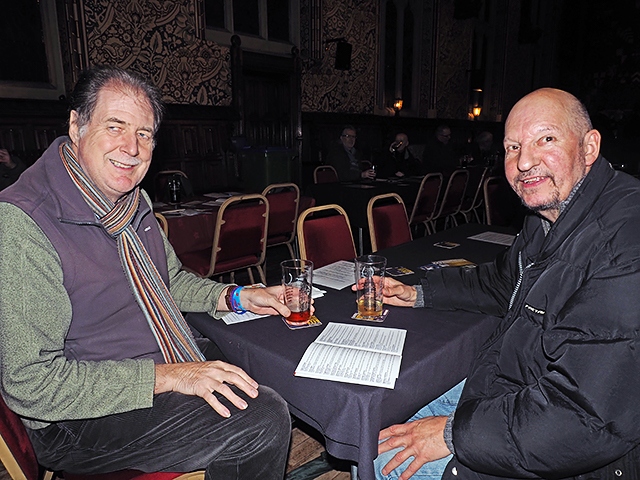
84 97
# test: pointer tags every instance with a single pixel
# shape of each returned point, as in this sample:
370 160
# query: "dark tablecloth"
438 352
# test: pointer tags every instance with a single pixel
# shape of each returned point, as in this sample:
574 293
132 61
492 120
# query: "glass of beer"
297 279
370 271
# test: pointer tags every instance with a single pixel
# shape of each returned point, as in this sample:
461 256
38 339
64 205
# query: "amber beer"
297 279
370 271
369 306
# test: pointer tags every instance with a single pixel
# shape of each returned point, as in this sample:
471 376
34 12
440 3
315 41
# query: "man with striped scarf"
95 355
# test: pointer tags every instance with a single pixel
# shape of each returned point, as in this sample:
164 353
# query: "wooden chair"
19 459
452 199
474 198
325 174
424 207
388 223
324 235
162 220
284 200
239 240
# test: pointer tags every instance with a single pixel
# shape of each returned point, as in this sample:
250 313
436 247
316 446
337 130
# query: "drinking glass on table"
297 279
370 272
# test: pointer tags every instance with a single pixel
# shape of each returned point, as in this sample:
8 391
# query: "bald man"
554 391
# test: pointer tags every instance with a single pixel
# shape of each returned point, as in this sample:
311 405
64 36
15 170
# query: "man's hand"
422 439
370 174
204 378
396 293
265 301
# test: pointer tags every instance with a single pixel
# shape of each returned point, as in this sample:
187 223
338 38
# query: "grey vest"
107 323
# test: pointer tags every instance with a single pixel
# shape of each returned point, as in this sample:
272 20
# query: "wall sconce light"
476 102
397 105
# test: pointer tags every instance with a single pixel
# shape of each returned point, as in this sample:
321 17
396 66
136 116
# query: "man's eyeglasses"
346 135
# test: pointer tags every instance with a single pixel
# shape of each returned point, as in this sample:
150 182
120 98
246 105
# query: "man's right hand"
204 378
397 293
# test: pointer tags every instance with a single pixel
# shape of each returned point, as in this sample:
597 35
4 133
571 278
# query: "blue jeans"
441 406
179 433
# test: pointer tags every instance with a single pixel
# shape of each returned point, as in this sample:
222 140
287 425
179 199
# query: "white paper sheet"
363 355
336 275
493 237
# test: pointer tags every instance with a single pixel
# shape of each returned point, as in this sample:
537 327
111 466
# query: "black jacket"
555 392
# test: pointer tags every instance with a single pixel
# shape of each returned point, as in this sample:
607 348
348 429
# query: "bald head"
550 145
575 113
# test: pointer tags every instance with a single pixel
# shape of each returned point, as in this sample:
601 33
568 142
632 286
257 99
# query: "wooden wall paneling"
190 141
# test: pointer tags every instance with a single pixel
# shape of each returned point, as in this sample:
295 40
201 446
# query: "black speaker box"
343 56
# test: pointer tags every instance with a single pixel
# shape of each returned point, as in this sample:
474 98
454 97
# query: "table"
354 198
438 352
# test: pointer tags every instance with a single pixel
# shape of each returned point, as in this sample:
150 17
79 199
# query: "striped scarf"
165 320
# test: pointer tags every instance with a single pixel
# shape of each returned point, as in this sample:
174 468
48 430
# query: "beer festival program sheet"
359 354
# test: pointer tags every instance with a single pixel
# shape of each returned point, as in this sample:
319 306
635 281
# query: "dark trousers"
180 433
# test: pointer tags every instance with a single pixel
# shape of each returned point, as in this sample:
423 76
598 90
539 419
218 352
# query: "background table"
438 352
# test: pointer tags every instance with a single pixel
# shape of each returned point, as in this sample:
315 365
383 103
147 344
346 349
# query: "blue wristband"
235 300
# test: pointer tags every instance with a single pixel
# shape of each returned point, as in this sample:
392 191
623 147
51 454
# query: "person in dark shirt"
346 159
400 162
10 168
439 154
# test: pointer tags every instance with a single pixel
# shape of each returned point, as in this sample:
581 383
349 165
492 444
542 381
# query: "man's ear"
74 129
591 146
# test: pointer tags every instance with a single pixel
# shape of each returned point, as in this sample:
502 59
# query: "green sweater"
36 380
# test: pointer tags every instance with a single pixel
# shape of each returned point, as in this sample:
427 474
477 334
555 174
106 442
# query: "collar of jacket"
575 212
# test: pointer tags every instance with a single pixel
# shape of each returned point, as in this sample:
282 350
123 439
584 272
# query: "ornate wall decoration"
325 89
157 38
454 52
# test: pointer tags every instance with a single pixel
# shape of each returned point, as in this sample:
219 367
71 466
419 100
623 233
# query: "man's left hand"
422 439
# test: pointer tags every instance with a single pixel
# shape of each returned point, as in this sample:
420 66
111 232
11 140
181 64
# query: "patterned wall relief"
453 59
157 38
325 89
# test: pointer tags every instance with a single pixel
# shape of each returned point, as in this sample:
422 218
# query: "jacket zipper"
521 270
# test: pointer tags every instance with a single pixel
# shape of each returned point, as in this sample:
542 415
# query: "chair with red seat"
18 457
325 174
239 240
388 224
452 199
424 207
474 197
324 235
502 206
284 199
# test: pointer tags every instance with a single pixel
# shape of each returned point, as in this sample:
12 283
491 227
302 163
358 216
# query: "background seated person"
346 159
439 153
400 162
10 168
